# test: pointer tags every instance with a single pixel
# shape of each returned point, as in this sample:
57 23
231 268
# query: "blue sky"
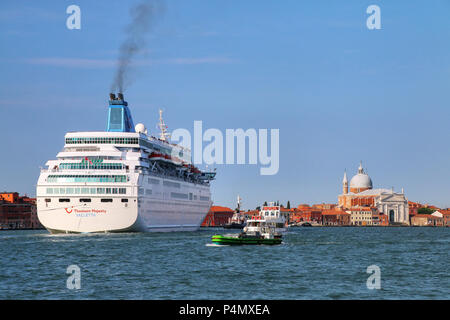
338 92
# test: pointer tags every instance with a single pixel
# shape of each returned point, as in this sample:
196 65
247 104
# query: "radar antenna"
239 199
164 135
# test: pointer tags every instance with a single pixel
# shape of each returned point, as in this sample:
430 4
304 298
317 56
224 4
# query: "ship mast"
164 135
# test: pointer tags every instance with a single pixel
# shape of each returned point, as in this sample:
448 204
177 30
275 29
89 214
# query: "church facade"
361 194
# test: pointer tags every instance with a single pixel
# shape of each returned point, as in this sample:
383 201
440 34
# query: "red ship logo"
68 211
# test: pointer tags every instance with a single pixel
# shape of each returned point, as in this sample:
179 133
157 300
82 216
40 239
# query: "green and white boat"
258 230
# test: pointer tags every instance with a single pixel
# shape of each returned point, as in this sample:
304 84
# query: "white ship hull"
141 213
155 216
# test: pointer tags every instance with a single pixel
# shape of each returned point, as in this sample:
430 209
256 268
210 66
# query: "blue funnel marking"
119 117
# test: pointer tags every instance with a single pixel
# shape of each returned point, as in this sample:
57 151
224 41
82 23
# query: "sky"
338 92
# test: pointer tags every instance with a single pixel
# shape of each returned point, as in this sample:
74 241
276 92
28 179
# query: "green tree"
425 211
288 205
265 204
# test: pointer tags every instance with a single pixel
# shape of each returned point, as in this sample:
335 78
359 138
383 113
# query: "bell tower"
345 183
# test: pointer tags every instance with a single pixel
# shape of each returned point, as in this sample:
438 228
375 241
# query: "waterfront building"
437 214
305 213
361 216
335 217
361 194
217 216
380 219
18 212
446 216
424 220
324 206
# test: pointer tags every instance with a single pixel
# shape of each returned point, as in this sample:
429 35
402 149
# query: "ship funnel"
119 116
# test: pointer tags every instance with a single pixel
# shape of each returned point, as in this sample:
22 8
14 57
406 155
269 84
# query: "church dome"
361 181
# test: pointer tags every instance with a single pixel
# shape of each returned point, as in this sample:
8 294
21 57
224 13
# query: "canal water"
312 263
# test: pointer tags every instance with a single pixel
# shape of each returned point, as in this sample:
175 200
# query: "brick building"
18 212
305 213
446 217
217 216
335 217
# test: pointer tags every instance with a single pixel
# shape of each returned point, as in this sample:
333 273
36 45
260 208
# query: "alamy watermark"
74 20
74 280
374 281
374 20
234 149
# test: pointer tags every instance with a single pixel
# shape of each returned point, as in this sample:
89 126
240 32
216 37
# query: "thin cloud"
73 62
198 60
110 63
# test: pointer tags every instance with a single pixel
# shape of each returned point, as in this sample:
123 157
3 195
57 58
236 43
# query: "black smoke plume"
143 16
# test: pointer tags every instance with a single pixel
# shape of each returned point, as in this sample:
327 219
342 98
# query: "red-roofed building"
335 217
427 220
379 219
18 212
306 214
362 216
217 216
446 217
324 206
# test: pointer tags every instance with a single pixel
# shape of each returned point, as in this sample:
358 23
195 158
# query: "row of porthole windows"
85 200
102 140
81 166
86 190
86 178
175 195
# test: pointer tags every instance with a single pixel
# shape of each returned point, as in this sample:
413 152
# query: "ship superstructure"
273 217
122 179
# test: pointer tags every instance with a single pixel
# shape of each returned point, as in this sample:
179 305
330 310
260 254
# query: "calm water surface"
312 263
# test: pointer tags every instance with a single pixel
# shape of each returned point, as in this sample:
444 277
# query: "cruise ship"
122 180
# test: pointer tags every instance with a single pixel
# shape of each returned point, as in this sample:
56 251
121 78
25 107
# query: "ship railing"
44 170
172 176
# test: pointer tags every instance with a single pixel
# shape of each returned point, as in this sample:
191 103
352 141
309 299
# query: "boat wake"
216 245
